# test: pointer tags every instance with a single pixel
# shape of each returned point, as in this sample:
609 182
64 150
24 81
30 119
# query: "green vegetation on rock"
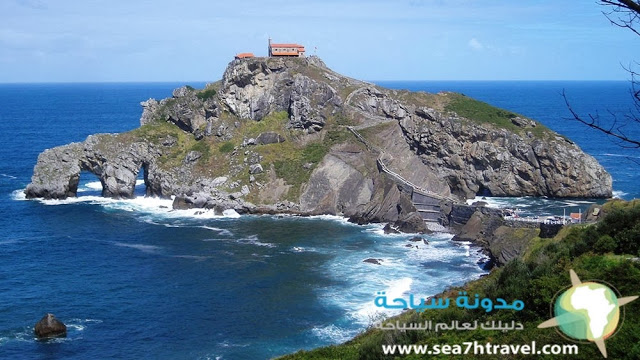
203 148
226 147
206 94
482 112
536 279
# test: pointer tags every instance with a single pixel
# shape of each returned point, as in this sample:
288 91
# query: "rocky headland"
292 136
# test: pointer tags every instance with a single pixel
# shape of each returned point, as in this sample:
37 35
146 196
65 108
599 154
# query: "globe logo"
587 311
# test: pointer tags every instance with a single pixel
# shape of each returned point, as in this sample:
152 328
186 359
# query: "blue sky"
193 40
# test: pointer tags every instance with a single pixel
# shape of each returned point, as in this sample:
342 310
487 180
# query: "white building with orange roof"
286 50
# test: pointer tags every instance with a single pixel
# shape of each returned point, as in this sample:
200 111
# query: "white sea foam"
227 344
378 229
197 258
18 195
150 249
152 222
8 176
154 206
300 249
620 155
223 232
333 333
91 186
75 327
342 219
617 194
230 213
492 202
254 240
368 311
439 251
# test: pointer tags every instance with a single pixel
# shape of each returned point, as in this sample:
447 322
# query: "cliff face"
472 158
290 135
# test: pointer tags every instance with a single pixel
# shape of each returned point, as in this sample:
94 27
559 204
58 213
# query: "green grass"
481 112
276 122
536 279
226 147
202 147
289 159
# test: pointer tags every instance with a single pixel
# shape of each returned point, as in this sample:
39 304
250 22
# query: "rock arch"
57 172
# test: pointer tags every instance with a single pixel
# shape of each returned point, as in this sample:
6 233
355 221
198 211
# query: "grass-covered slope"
483 113
606 251
293 160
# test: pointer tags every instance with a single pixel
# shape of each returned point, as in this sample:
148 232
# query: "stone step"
427 207
430 216
423 204
428 211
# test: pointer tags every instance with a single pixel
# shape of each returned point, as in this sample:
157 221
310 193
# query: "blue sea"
134 280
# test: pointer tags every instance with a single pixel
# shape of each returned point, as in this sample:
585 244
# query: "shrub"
605 244
206 94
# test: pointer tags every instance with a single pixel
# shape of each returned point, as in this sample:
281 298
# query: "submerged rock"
49 327
389 230
373 261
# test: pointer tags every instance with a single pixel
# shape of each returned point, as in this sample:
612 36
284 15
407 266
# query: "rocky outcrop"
475 159
187 109
227 146
500 240
49 327
252 89
116 164
269 138
336 187
388 204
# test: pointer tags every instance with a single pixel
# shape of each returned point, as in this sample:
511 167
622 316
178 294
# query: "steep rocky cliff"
290 135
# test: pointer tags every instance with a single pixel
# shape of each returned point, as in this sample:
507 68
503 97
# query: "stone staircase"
426 202
427 205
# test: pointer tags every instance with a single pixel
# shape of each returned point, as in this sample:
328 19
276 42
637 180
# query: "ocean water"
134 280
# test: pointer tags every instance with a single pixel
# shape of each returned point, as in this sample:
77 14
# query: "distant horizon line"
372 81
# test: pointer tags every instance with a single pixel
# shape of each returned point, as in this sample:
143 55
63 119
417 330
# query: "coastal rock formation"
49 327
500 240
474 159
290 135
254 89
116 163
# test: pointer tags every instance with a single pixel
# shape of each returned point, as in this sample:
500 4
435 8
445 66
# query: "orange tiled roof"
244 55
288 45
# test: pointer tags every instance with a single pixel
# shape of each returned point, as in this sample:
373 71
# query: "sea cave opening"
89 184
142 182
483 192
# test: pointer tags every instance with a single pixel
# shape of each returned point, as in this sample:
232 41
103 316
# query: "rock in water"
373 261
49 327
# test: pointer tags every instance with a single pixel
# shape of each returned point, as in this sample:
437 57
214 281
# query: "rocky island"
289 135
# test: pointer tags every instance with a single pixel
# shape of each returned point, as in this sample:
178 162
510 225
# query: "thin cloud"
475 44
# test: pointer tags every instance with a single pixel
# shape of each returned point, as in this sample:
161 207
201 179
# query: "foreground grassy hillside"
606 251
